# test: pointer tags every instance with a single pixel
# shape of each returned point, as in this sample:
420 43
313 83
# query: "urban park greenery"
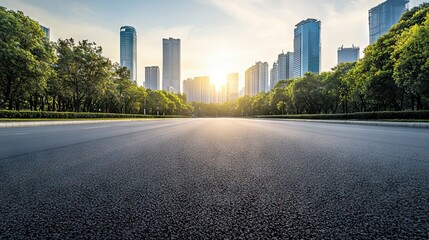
70 76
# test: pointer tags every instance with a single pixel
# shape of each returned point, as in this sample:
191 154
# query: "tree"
25 58
307 94
276 96
281 106
83 71
411 69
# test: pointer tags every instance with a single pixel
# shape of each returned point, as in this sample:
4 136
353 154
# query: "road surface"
214 179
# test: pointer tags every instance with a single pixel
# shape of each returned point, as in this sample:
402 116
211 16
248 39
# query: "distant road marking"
96 127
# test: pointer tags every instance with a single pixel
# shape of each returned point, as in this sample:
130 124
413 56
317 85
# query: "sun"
219 65
218 75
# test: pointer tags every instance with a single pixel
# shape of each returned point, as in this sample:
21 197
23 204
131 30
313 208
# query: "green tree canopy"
25 57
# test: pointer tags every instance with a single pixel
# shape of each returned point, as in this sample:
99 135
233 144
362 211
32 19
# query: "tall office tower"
384 16
285 66
171 65
348 54
152 78
231 87
199 89
263 77
47 32
256 79
128 50
274 75
282 66
289 65
307 47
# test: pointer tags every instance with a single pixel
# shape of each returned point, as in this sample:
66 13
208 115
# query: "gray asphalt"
214 179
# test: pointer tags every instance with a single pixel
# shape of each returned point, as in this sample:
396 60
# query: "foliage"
71 115
25 59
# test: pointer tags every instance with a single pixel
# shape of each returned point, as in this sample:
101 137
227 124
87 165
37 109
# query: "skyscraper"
285 66
274 75
384 16
348 54
256 79
289 64
264 76
282 66
307 47
171 65
128 50
231 87
152 78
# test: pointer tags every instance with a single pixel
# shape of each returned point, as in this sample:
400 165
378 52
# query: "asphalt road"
214 179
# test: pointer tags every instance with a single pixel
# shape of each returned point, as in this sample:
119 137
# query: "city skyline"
243 31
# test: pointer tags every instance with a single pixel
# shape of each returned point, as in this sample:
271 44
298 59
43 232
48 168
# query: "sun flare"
218 76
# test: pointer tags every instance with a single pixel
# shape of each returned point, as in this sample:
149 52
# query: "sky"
217 36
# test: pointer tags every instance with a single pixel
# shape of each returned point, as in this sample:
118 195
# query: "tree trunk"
9 94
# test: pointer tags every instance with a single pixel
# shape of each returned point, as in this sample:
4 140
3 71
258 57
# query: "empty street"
214 179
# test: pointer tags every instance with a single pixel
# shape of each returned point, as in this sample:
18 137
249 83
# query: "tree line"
69 76
74 76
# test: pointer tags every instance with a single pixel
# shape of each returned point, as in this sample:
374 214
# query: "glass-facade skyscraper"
348 54
128 50
307 47
171 65
384 16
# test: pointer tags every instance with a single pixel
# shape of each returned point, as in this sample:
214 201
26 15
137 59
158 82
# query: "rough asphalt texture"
214 179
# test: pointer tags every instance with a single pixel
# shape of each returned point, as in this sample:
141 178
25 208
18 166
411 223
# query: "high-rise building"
256 79
128 55
171 65
274 75
199 89
47 32
348 54
282 66
289 64
384 16
264 76
307 47
231 88
285 66
152 78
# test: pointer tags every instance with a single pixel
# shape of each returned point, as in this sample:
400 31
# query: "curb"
367 123
57 123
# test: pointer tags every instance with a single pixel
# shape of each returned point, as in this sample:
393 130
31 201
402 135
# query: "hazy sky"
218 36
